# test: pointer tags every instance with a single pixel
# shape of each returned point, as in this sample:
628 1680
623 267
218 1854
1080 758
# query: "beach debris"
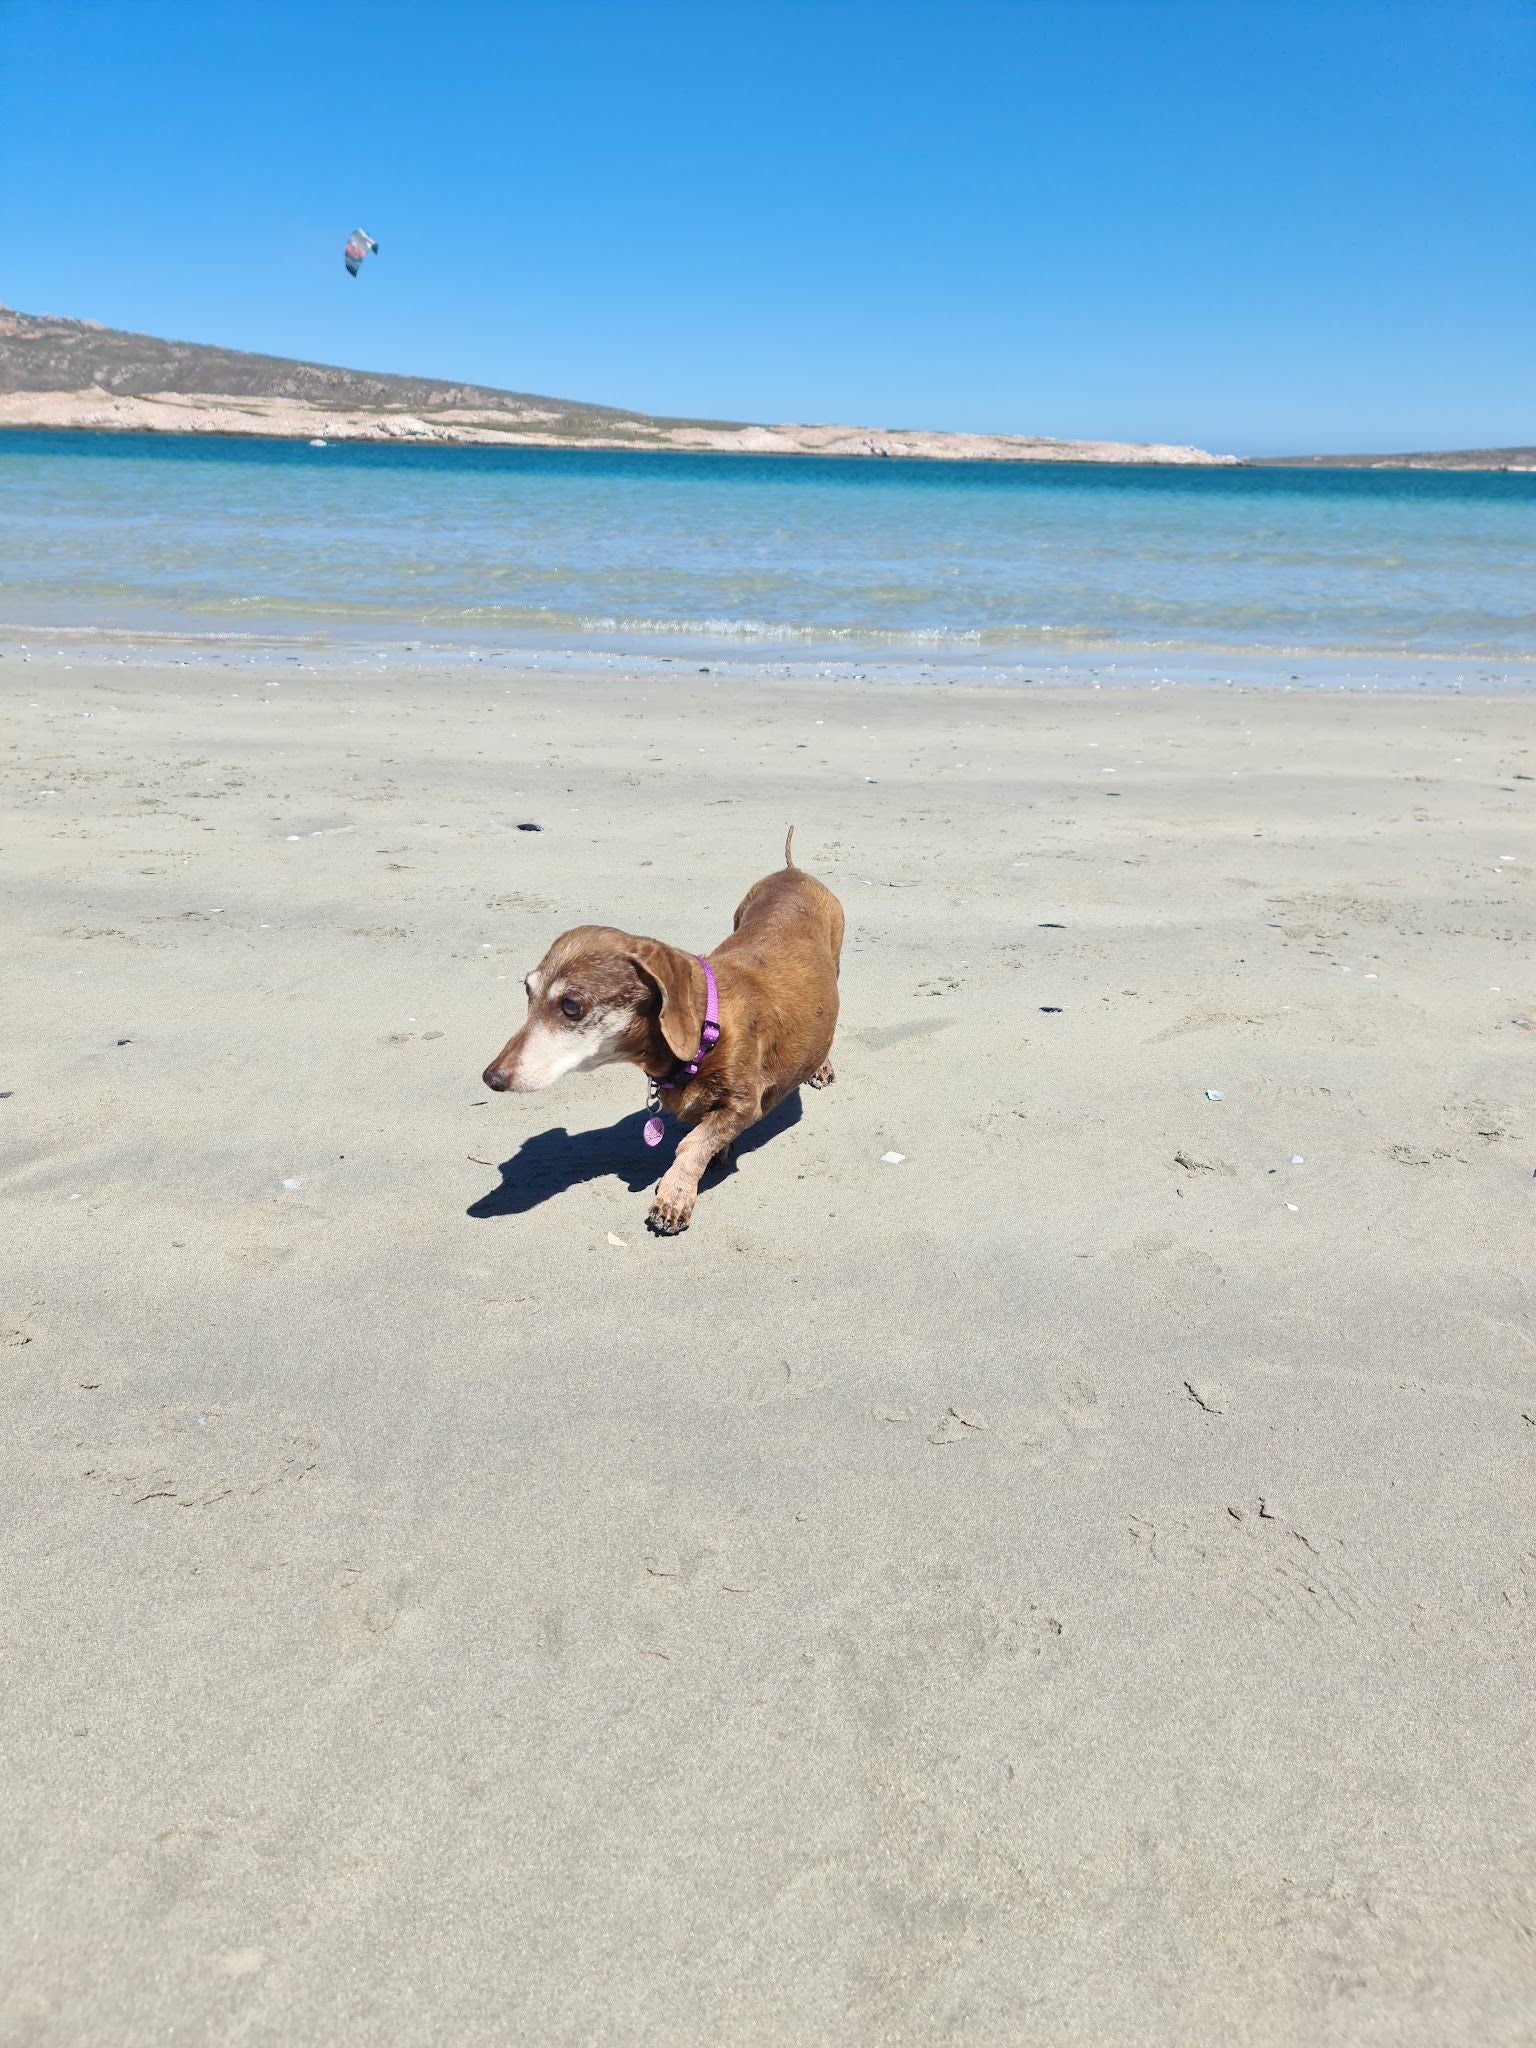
1524 1023
1050 927
530 827
1050 1009
1294 1207
292 1183
621 1242
893 1415
475 1160
1215 1095
892 1158
1207 1394
1297 1160
1192 1163
359 247
953 1427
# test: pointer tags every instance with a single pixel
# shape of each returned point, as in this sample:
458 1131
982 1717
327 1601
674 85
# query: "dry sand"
1074 1586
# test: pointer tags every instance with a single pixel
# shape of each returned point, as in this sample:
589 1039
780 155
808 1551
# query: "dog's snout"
493 1077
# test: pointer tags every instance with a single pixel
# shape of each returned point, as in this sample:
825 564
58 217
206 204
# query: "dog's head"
599 996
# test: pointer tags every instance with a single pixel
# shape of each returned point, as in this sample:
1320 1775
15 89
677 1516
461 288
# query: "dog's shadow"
545 1166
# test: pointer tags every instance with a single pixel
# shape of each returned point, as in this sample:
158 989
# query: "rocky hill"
39 352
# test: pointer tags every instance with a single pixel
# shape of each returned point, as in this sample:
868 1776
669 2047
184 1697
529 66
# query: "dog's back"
794 908
786 941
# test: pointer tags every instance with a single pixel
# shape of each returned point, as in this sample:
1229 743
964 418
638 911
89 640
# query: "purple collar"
684 1070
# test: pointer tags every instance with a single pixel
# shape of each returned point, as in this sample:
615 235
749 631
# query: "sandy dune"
286 418
1073 1586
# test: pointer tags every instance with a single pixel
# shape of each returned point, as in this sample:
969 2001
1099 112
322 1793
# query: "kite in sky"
358 246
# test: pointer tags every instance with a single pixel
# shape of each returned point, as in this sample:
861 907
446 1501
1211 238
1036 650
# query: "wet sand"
1075 1585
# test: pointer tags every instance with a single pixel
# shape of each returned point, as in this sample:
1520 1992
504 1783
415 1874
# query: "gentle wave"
505 547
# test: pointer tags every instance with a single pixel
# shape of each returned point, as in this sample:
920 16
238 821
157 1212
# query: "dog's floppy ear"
677 981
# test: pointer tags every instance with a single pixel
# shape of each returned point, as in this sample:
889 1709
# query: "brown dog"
599 996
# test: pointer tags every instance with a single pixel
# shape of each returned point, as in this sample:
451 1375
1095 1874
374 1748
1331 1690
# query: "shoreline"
915 664
160 414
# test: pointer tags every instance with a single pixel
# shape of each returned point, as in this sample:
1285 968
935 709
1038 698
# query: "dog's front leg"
679 1185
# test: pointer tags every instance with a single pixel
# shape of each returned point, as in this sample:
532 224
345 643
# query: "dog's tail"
789 840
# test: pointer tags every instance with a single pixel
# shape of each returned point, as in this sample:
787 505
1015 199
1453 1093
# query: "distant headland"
56 372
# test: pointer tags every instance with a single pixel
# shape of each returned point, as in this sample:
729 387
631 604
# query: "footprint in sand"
1257 1556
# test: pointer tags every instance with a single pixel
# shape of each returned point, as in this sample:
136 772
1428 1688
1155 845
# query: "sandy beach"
1074 1585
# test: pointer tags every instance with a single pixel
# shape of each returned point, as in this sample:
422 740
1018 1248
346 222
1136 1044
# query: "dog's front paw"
670 1212
823 1076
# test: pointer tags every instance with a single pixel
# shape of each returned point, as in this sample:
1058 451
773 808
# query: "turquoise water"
761 555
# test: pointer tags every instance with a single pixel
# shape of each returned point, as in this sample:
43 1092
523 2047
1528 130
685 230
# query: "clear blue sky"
1259 225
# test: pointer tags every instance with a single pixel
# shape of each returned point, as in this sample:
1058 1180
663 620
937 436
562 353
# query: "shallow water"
800 557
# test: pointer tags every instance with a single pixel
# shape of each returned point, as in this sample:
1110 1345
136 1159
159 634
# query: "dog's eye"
570 1006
